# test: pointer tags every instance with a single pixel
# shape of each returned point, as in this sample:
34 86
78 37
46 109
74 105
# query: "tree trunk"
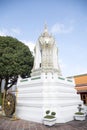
6 83
0 84
12 81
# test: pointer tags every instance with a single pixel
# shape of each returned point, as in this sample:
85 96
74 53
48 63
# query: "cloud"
3 32
9 32
30 44
16 31
61 28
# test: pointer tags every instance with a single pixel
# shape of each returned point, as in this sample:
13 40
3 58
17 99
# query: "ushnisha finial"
45 33
45 27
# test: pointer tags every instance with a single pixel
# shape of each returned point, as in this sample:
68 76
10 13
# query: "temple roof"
81 79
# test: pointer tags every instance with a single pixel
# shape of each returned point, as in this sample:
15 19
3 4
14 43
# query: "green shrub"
47 112
80 107
49 116
53 113
79 113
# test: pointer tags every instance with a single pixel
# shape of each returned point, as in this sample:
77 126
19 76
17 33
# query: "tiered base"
47 92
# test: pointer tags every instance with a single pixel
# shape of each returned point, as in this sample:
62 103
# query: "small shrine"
46 89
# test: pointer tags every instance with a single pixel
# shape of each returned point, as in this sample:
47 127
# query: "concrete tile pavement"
7 124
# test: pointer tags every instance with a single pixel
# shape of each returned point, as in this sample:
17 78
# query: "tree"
15 59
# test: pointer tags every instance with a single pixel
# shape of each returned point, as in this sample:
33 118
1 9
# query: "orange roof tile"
81 88
80 79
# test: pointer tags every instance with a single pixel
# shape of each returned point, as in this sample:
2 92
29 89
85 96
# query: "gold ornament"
9 104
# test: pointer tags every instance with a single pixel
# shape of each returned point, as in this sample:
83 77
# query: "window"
84 98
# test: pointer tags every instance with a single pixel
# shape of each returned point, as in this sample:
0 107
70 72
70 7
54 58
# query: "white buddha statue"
46 55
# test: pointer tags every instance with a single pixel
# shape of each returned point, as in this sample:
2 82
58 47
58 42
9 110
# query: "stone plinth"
47 92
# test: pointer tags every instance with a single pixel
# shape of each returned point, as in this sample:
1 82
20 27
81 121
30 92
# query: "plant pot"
79 117
49 122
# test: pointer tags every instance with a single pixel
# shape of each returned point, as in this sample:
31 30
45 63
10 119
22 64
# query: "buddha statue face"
46 40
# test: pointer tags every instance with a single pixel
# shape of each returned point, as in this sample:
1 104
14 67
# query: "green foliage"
79 113
50 116
79 110
80 107
48 111
15 58
53 113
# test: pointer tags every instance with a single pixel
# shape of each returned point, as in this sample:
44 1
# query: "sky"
66 21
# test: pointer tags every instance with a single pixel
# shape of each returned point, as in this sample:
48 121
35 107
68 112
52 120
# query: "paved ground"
7 124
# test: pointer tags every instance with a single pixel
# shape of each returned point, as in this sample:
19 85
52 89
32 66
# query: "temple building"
81 86
46 89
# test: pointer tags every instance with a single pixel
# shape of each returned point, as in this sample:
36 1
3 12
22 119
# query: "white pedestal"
46 92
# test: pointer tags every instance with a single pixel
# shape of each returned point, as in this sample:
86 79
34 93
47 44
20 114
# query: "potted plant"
79 115
49 118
